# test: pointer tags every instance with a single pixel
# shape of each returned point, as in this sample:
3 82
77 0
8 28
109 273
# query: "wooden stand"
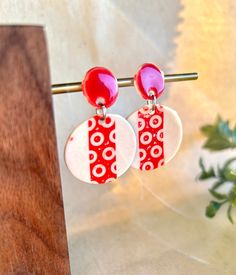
32 224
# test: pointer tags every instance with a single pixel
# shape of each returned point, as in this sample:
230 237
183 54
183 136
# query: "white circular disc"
168 132
100 153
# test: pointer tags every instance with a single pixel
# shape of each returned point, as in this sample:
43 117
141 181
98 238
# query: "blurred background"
146 222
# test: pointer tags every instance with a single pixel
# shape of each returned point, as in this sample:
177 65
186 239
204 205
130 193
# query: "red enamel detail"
100 86
102 149
149 78
150 137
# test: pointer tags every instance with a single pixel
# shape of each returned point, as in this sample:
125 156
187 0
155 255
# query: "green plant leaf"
219 135
217 143
218 195
229 213
226 172
234 136
230 175
205 174
207 130
228 163
212 208
217 184
224 128
232 196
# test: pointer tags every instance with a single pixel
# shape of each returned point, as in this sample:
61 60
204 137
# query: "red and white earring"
158 128
103 147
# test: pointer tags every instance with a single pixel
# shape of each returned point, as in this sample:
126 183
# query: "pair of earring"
103 148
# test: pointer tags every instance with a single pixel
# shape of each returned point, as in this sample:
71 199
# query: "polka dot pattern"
102 149
98 152
150 138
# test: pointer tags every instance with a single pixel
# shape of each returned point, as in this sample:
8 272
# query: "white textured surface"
147 223
77 153
77 150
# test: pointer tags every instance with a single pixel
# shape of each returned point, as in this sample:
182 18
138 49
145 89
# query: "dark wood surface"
32 224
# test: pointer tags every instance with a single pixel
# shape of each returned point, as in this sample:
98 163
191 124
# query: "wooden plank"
32 225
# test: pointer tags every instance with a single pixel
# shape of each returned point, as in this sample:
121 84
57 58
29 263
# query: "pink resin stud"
149 81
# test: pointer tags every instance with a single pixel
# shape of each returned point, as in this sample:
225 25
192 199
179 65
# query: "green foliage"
219 136
206 174
212 208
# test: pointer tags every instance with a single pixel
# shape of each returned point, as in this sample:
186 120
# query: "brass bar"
122 82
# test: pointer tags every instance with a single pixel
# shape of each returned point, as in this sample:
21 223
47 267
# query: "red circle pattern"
102 149
151 138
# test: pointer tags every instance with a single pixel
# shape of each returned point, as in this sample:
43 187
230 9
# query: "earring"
103 147
158 128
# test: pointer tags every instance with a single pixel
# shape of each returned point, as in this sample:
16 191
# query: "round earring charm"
102 148
158 128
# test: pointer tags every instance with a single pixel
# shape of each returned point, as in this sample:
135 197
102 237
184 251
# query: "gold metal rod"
122 82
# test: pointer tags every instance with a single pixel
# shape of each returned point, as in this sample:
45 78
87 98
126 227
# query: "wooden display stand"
32 225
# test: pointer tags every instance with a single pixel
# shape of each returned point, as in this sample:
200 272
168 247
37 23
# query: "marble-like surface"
145 223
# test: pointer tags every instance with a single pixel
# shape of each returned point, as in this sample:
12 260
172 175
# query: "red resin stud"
100 87
149 80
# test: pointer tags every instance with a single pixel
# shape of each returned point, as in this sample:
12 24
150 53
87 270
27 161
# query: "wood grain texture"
32 225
